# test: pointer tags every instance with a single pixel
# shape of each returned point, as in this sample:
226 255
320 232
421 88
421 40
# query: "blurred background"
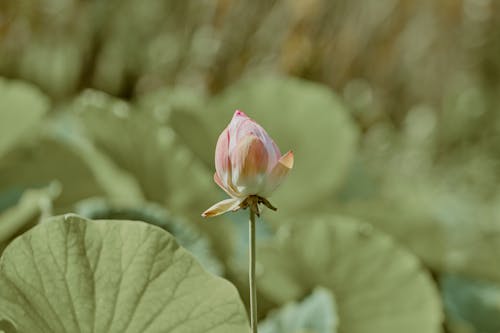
390 221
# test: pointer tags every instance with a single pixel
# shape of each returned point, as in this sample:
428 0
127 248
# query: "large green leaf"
378 286
448 234
186 235
445 210
302 116
75 275
22 106
315 314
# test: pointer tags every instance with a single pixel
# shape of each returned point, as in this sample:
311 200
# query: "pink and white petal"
224 206
278 174
227 188
249 160
237 128
273 152
222 162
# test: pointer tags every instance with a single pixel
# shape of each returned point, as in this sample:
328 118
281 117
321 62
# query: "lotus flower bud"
247 163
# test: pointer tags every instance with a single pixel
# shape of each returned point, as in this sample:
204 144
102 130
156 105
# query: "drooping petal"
278 174
224 206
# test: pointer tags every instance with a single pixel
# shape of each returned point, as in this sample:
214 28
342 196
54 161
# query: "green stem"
253 288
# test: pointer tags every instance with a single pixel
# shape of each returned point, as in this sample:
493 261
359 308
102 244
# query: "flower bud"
247 163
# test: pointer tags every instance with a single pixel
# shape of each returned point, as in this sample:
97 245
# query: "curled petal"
224 206
222 162
279 173
229 189
287 160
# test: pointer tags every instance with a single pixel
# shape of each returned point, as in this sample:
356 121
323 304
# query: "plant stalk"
253 287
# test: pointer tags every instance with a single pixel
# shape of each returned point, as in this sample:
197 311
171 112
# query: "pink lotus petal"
279 172
228 189
247 162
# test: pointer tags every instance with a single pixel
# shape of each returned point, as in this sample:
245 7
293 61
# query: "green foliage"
22 107
26 213
396 130
315 314
39 162
185 234
75 275
472 306
161 162
445 243
364 269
